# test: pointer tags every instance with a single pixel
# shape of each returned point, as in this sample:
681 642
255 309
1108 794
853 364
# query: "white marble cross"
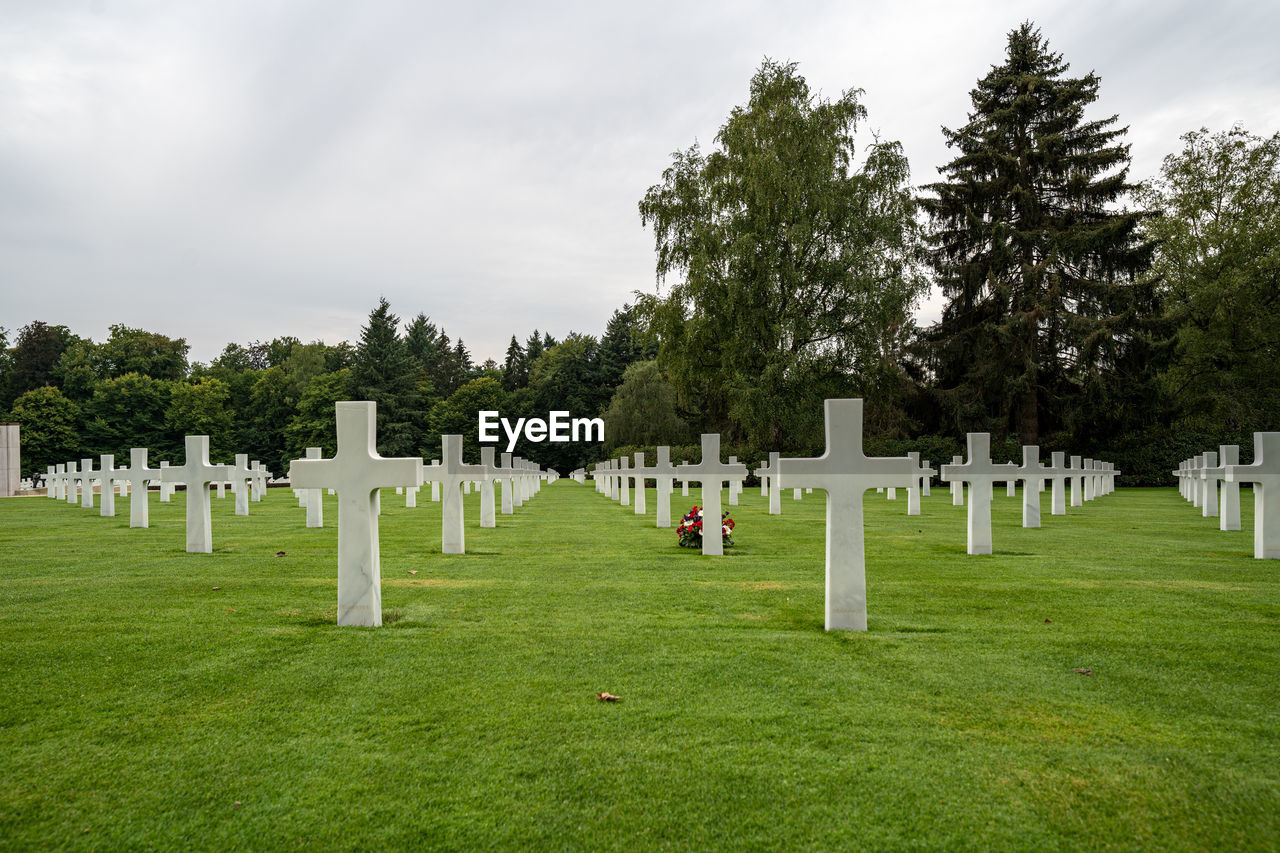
664 476
435 482
138 475
769 472
1075 472
517 481
166 488
259 480
69 494
107 470
51 482
197 474
735 486
313 498
1229 495
1264 473
487 516
1032 474
684 484
1058 474
844 472
981 474
957 488
241 477
711 473
1208 484
624 481
640 472
453 472
357 472
920 474
924 483
508 483
86 473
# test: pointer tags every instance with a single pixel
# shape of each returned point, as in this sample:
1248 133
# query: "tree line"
1137 321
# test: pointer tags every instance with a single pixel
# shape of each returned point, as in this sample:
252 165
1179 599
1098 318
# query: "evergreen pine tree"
515 371
1047 303
384 372
533 348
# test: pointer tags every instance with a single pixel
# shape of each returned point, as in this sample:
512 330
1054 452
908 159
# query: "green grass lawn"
156 699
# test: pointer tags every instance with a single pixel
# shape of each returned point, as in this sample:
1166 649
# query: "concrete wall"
10 460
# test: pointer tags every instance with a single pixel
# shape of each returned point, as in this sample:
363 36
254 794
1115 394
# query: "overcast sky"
231 171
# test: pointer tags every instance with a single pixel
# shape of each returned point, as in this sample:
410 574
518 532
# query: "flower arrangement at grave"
689 533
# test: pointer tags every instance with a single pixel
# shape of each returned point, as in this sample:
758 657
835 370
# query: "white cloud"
231 171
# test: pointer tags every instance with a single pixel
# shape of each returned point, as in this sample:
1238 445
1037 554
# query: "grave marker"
845 473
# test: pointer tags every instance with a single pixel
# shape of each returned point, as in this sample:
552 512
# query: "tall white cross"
453 472
86 483
1032 474
487 516
313 499
357 472
924 482
711 472
1229 495
957 488
920 474
241 477
1264 473
844 472
768 473
138 475
1075 472
1058 474
640 472
197 474
664 475
507 479
107 470
517 481
981 474
51 482
1208 484
166 488
735 486
71 495
259 480
624 481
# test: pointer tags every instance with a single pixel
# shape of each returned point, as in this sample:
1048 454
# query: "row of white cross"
355 474
1199 476
844 473
71 481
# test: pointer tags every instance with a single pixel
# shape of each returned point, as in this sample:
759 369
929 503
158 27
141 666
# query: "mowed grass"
154 699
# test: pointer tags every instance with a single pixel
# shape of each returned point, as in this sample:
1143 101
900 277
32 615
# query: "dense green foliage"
1219 261
161 700
795 263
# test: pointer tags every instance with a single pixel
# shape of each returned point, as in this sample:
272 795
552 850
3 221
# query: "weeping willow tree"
787 269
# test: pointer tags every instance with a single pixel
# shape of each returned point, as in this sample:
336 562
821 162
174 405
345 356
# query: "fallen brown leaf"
230 610
413 571
1084 671
608 697
1046 621
279 553
237 805
217 587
